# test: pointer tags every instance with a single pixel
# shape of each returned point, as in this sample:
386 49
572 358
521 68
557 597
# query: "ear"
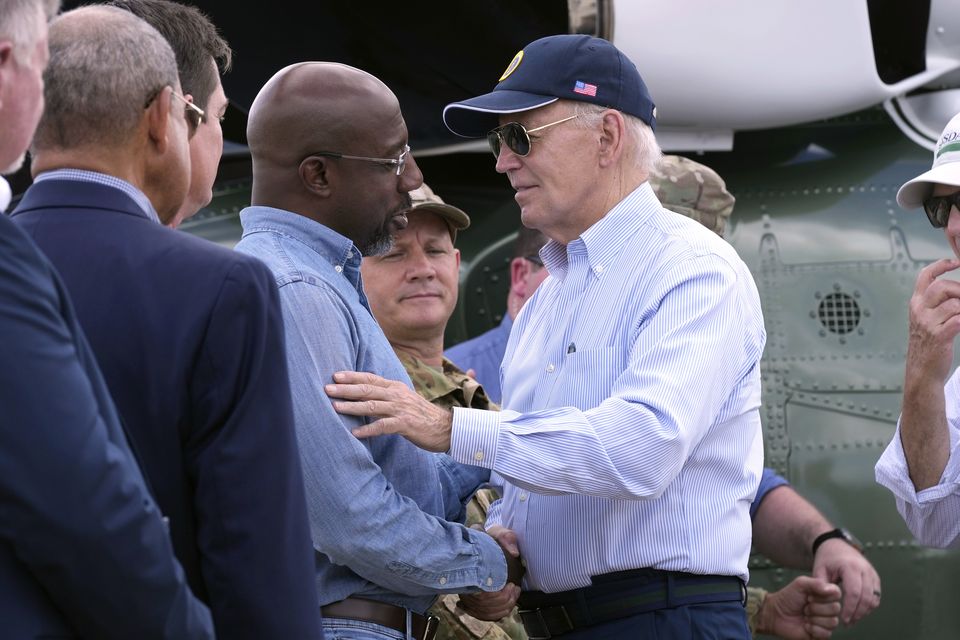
316 176
612 137
157 118
6 53
456 253
519 270
6 61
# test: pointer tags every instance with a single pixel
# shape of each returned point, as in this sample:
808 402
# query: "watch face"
852 539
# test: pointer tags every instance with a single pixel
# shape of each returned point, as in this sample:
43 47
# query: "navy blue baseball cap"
571 67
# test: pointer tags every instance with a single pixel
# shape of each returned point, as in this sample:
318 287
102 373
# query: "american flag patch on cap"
585 88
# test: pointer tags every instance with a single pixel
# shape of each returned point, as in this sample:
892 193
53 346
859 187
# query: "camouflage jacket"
448 388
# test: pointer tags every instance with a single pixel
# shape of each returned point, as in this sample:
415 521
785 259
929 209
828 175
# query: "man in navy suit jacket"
83 550
188 334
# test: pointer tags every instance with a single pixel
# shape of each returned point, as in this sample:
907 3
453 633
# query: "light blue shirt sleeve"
358 519
769 481
459 482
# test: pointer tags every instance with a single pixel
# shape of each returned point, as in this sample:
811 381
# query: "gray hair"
646 149
106 65
18 20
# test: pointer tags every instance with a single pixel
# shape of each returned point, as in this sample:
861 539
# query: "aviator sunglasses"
516 136
938 208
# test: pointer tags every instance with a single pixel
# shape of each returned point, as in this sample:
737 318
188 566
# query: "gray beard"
377 245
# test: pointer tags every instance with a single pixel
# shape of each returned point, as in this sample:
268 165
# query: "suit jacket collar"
77 194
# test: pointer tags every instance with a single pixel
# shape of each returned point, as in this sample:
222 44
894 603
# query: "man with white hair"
83 549
629 493
921 465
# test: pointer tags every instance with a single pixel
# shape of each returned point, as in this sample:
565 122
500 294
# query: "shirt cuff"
492 561
892 473
473 439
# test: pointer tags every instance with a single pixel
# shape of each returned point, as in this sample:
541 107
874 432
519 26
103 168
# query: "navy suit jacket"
83 552
189 336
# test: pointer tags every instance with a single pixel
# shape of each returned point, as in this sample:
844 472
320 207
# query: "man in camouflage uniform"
412 290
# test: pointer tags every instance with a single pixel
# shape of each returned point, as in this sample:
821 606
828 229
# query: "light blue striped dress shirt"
631 431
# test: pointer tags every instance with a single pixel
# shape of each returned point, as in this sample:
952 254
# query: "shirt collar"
337 250
604 240
106 180
5 194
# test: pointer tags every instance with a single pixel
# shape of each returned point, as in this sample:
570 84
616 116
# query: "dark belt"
386 615
618 595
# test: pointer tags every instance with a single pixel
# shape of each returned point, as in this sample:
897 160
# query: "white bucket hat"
945 170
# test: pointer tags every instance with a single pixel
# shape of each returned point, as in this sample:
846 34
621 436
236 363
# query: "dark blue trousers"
715 621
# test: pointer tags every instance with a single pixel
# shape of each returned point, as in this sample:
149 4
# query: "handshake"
495 605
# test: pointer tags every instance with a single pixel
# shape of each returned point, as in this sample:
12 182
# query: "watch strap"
839 532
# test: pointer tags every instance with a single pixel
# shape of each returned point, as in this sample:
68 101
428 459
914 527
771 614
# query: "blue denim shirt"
379 508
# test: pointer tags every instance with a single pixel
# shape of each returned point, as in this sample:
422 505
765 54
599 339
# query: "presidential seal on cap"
424 199
569 67
945 170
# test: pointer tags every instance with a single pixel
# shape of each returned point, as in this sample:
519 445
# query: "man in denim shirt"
331 176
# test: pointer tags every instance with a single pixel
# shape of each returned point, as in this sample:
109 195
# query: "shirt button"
443 579
523 497
478 456
489 582
349 254
338 268
599 269
550 368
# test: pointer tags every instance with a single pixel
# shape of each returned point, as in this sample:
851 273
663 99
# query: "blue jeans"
346 629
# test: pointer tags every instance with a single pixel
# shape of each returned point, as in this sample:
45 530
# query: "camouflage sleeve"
755 597
457 624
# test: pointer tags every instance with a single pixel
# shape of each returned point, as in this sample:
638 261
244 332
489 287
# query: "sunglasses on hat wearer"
516 136
938 208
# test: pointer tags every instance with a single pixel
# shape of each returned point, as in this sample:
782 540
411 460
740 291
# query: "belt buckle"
541 630
430 628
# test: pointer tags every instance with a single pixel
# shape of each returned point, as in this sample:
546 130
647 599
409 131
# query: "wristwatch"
841 533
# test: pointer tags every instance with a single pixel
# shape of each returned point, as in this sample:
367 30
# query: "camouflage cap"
693 190
424 199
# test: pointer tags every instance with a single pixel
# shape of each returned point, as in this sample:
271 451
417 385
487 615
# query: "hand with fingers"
838 562
934 321
804 609
495 605
396 407
934 325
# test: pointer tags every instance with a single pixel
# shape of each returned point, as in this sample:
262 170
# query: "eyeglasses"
534 258
938 208
195 115
516 136
399 162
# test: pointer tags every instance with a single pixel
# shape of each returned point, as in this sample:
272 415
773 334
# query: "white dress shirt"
631 431
933 514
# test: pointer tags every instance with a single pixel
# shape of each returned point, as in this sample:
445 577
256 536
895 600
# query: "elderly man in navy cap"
629 494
